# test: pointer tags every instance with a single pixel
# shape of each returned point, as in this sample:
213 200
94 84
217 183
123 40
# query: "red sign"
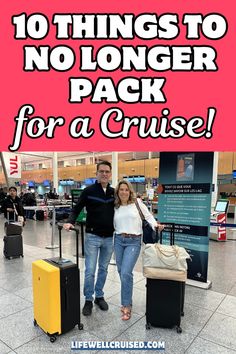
12 164
221 218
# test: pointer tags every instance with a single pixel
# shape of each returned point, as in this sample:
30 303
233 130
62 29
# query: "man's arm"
76 211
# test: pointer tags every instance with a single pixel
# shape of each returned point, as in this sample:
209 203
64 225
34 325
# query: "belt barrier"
222 224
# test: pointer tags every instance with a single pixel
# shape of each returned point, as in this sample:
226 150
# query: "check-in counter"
232 207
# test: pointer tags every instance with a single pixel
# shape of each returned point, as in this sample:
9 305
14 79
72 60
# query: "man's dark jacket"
100 209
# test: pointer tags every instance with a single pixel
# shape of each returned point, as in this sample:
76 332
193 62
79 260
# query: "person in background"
2 197
189 171
29 199
128 239
99 202
51 195
12 205
66 196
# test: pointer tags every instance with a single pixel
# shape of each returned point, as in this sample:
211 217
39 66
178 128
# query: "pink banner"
127 75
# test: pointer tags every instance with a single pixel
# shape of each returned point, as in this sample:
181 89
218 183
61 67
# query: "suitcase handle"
8 216
168 226
76 229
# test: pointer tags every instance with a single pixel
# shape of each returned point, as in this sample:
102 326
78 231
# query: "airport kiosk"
75 194
219 216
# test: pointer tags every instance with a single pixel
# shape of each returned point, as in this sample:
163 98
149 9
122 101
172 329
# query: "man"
29 199
12 205
51 195
99 202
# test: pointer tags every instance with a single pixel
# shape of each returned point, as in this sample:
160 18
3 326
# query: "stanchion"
82 237
52 246
232 228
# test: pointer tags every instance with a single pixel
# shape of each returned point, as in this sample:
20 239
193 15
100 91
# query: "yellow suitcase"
56 293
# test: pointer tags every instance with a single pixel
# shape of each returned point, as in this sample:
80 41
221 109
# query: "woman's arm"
148 216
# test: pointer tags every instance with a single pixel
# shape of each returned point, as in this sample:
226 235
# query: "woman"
12 206
128 238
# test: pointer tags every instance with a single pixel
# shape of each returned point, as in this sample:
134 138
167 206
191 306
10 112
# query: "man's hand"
68 226
10 209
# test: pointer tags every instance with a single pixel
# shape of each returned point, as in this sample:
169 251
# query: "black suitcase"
13 246
165 299
39 215
69 290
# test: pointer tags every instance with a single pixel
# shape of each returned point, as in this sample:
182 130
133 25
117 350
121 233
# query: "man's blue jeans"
127 250
99 249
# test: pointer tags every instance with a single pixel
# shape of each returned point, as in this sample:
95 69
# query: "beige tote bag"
165 257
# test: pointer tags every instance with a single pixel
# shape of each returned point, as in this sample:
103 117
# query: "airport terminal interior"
209 321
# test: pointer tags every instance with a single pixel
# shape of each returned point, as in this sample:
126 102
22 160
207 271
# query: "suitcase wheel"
178 329
80 326
148 326
52 339
35 323
182 313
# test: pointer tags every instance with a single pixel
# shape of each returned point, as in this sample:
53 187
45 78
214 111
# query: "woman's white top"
128 220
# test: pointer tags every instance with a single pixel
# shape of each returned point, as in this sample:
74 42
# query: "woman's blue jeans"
127 250
96 249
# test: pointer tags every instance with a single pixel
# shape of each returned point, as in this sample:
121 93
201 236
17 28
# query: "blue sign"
89 181
185 200
31 184
136 179
67 182
154 182
46 183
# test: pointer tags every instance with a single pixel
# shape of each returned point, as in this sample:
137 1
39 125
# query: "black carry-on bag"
12 227
39 214
56 293
165 298
13 242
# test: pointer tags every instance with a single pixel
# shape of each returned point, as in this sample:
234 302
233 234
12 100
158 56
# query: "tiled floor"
209 324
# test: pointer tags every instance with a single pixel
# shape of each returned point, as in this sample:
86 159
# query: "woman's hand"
10 209
160 227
